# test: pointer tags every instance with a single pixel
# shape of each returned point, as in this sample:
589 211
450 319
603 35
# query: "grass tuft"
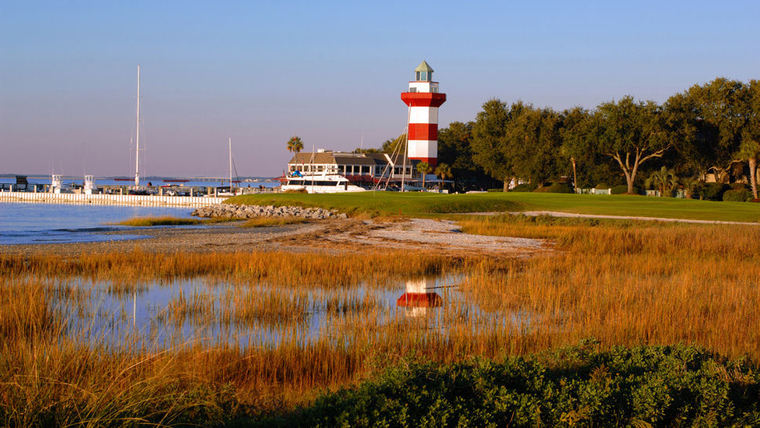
273 221
172 221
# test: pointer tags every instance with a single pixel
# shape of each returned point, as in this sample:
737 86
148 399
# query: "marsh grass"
172 221
273 221
624 283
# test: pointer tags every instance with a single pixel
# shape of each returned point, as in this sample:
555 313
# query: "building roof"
313 157
424 66
340 158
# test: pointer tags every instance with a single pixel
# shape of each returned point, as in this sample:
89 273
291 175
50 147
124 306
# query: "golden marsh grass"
624 283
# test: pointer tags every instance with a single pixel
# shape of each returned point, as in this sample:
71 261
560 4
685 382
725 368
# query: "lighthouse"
423 100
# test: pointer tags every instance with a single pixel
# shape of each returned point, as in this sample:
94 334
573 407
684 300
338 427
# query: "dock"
106 199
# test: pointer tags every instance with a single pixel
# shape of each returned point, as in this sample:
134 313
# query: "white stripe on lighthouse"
423 114
423 149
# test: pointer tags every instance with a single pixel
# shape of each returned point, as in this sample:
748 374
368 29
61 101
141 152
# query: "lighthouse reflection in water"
419 297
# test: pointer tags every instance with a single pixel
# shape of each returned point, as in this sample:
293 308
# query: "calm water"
146 314
154 181
162 314
22 223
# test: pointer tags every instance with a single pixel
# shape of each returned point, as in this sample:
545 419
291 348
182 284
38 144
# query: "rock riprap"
252 211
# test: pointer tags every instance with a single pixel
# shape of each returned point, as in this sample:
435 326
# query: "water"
154 181
147 314
23 223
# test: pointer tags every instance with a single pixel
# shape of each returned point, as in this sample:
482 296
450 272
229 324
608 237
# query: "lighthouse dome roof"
424 66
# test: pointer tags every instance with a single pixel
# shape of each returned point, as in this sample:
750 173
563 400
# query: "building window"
341 169
365 170
412 89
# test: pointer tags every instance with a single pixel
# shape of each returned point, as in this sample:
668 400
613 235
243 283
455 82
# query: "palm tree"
750 152
444 171
295 144
664 180
423 168
690 186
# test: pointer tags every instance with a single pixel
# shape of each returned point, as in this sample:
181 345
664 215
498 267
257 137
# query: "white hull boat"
319 183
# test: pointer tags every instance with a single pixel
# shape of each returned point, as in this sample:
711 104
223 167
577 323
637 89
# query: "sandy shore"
326 236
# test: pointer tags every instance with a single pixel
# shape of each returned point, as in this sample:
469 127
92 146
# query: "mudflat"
335 235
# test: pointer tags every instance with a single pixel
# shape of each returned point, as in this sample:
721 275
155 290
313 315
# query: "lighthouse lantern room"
423 100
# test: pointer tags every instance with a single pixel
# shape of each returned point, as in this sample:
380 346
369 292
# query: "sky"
260 72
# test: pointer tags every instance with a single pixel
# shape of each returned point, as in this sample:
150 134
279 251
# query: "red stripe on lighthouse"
423 99
423 131
433 162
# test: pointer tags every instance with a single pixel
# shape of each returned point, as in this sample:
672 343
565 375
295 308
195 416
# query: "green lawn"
430 204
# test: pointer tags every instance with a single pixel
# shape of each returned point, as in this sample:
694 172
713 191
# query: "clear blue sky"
330 72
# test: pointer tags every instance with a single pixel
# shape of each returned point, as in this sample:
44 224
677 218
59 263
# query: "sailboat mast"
229 141
137 132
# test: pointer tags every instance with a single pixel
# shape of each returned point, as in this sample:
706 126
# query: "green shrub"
737 195
494 190
622 189
713 191
555 188
642 386
602 186
525 187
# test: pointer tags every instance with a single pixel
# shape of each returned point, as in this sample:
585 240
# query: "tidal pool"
188 312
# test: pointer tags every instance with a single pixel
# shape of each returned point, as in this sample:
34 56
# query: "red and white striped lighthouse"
423 100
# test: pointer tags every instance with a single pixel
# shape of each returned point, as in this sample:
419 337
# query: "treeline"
710 130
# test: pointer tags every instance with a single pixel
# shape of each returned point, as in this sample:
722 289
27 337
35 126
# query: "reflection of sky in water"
144 315
23 223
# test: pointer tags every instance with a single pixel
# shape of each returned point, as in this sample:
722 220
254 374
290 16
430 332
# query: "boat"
318 183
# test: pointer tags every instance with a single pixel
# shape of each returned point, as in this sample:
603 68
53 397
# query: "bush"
494 190
713 191
642 386
602 186
622 189
525 187
737 195
555 188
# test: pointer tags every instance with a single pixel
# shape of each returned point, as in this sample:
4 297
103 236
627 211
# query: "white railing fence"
103 199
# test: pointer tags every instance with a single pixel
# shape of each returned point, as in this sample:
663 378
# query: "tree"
749 148
532 142
423 168
631 133
455 149
750 151
719 109
295 144
488 141
443 171
393 144
369 150
575 137
695 139
663 180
